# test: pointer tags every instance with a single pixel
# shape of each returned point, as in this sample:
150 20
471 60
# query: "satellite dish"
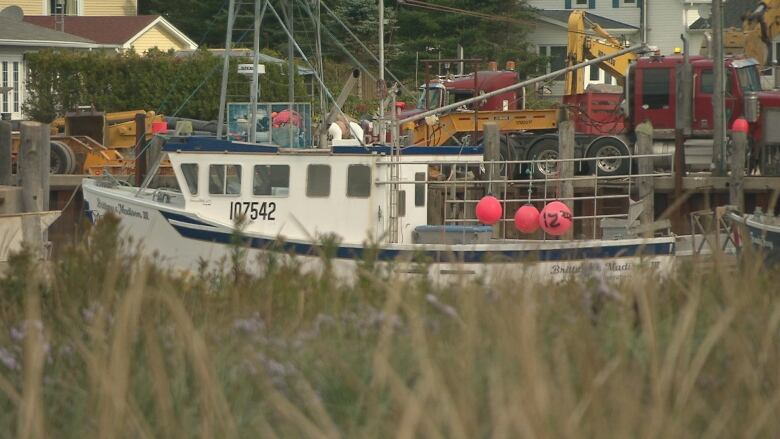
14 13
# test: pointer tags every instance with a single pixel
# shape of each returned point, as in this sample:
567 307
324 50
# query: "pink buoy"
527 219
556 218
489 210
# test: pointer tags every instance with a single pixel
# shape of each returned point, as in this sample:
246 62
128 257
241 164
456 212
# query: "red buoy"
740 126
489 210
527 218
556 218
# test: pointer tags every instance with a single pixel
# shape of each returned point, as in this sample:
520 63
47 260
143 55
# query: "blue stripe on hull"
344 252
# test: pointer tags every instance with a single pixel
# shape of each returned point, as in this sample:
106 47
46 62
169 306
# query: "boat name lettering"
121 209
252 210
578 268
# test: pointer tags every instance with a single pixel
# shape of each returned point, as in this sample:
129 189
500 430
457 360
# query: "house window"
594 73
5 86
556 55
358 181
64 7
190 173
225 179
655 88
628 3
580 4
318 181
16 87
271 180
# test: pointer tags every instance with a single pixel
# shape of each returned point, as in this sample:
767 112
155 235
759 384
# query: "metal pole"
318 54
636 48
140 152
382 87
256 73
226 68
718 97
290 69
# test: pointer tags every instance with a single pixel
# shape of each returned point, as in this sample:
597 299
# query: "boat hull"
184 241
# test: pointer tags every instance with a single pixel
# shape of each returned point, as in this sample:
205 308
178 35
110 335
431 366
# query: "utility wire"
442 8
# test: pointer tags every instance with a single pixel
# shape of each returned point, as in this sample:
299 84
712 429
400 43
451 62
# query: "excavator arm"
759 27
582 47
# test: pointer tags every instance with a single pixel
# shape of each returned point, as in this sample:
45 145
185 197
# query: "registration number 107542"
253 210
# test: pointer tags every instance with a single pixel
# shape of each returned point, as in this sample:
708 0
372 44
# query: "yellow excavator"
759 27
582 47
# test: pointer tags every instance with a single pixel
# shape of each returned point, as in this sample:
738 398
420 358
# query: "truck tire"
604 149
544 149
62 159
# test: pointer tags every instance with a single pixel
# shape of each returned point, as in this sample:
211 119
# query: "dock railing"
459 185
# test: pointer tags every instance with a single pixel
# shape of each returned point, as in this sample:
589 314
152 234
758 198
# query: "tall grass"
104 344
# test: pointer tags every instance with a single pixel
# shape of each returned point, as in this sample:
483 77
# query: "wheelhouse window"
358 181
655 88
190 173
318 181
271 180
419 189
225 179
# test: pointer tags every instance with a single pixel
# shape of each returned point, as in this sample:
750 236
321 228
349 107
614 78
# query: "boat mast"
290 67
226 68
255 73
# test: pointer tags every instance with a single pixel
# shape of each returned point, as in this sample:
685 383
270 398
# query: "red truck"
605 118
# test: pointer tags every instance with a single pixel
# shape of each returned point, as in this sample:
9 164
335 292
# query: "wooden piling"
5 153
492 153
33 170
736 183
645 185
566 143
140 144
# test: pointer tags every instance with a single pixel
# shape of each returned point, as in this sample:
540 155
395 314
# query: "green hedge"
59 81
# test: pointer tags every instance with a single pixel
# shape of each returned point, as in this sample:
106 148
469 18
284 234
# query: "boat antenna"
382 86
316 75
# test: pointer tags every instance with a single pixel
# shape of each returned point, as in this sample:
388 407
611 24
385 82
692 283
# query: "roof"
733 10
115 30
562 17
18 33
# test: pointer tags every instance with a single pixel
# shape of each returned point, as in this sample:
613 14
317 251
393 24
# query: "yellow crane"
582 46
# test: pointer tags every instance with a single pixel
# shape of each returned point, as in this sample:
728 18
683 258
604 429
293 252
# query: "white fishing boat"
371 199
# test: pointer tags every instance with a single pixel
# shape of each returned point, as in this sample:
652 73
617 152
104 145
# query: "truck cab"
652 92
449 90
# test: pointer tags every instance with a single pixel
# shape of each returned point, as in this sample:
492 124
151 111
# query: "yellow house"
75 7
139 32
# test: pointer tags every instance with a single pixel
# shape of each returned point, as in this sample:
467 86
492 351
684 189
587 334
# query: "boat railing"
595 197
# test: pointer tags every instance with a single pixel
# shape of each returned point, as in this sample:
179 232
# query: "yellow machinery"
759 28
582 47
90 142
447 126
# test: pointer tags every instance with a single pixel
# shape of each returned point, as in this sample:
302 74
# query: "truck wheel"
605 150
61 160
541 152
